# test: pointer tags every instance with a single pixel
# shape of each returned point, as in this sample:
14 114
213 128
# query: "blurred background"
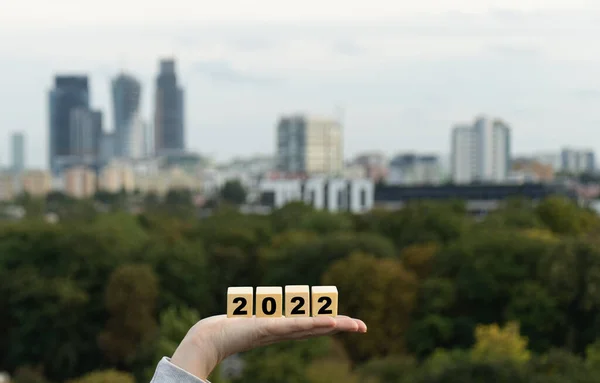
434 161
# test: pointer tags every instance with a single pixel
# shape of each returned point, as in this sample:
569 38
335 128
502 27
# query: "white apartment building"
577 161
309 145
335 195
480 152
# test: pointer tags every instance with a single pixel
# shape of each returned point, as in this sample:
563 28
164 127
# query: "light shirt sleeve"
167 372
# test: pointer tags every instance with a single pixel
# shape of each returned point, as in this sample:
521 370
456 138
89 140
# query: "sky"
399 76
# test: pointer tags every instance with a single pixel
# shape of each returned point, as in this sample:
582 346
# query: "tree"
130 299
458 367
326 371
107 376
424 222
379 291
473 281
324 222
233 192
289 216
391 369
29 374
516 213
494 343
179 203
559 365
175 322
282 362
306 262
571 273
419 258
562 216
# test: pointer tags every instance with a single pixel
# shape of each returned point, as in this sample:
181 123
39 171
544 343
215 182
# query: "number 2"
324 309
296 310
243 302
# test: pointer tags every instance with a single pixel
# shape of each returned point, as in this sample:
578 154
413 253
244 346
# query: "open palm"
215 338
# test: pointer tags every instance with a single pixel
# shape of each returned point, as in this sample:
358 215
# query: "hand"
215 338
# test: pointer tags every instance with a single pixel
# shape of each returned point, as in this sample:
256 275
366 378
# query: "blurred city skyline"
401 87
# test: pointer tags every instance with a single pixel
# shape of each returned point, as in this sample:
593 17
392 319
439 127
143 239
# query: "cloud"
347 48
222 71
513 50
587 94
252 44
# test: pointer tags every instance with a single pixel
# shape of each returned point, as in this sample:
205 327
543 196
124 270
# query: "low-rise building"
161 181
79 182
7 187
531 170
414 169
374 165
331 194
36 183
480 198
116 177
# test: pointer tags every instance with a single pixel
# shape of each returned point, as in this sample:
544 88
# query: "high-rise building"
107 147
18 153
481 152
86 134
69 92
126 94
139 140
169 125
308 145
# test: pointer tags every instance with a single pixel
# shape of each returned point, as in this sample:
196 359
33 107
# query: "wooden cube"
240 301
297 301
324 301
269 302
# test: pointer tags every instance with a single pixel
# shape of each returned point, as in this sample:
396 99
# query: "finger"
342 324
362 326
346 324
284 326
311 333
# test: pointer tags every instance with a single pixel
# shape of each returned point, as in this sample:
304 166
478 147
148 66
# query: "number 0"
273 305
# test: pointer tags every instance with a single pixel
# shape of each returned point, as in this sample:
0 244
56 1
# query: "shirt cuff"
167 372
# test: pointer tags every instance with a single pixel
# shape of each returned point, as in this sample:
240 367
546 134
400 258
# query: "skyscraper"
126 94
18 153
481 152
168 111
69 92
308 145
86 134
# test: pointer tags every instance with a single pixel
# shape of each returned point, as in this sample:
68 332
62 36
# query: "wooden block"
324 301
297 301
269 302
240 302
